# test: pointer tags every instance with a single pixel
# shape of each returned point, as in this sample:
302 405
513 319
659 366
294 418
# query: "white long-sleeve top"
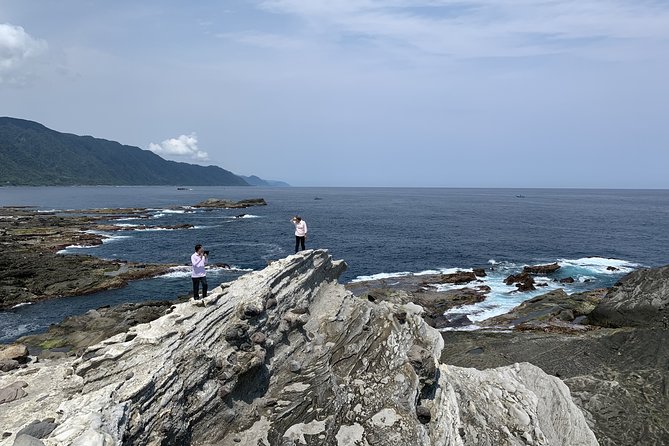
198 263
300 228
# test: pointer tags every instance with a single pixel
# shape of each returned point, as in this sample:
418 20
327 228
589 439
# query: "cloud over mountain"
182 146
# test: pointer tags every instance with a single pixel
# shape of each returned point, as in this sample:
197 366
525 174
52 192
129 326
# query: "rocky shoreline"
611 348
284 356
288 356
608 345
32 270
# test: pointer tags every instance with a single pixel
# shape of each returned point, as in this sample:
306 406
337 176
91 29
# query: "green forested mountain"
31 154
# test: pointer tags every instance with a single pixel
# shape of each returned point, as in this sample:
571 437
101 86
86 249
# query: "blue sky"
487 93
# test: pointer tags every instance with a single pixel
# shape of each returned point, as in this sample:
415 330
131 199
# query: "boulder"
640 299
457 278
9 364
541 269
16 352
38 429
523 281
12 392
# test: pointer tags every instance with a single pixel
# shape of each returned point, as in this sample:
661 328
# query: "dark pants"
196 286
299 241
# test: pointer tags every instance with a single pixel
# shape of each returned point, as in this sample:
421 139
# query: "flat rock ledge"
286 356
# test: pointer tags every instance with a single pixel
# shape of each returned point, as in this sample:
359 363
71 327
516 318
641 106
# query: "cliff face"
287 356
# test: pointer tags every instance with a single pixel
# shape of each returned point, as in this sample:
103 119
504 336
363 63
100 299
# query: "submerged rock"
320 367
228 204
542 269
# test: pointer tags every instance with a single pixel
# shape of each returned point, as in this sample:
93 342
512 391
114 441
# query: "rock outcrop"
640 299
287 356
30 269
228 204
610 347
77 332
541 269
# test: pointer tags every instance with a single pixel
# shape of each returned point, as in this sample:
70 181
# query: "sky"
408 93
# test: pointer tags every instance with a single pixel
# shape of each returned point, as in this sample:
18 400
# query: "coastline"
609 369
33 269
34 241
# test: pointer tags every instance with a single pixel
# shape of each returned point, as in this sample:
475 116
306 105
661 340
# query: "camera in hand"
206 253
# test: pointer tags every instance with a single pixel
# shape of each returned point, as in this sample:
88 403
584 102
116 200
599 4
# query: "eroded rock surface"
31 270
640 299
287 356
617 376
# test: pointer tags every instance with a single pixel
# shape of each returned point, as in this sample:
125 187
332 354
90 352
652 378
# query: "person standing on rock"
199 275
300 232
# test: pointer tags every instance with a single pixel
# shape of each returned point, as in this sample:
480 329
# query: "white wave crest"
156 228
67 248
237 217
600 265
381 276
442 271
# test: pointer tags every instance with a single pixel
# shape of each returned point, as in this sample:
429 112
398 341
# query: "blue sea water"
379 232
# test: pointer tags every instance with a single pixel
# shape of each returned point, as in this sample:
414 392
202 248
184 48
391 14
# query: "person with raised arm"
300 232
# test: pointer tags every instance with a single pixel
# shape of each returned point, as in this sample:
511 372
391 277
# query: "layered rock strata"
286 356
611 347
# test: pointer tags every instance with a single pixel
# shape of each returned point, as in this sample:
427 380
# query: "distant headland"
34 155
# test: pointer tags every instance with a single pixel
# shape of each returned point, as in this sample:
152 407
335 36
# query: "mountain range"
34 155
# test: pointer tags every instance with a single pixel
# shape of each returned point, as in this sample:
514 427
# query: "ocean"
379 232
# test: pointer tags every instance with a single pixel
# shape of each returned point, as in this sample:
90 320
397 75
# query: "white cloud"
182 146
17 49
484 28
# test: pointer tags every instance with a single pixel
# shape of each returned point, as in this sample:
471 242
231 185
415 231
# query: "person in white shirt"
199 275
300 232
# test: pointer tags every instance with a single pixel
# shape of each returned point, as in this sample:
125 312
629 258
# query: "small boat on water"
520 196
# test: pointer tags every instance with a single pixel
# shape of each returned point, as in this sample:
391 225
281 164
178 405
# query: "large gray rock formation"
287 356
640 299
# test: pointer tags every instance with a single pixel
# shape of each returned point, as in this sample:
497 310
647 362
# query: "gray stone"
38 429
295 366
27 440
9 364
13 392
640 299
17 352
